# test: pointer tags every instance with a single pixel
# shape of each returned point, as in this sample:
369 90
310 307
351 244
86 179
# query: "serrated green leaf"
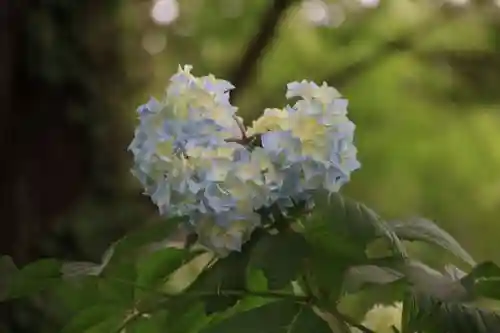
92 317
427 280
346 227
282 316
280 257
484 280
339 232
435 316
35 277
420 229
357 277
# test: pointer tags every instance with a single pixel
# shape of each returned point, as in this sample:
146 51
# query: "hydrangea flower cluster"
192 155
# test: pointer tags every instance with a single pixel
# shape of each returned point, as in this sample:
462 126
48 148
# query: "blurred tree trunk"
60 68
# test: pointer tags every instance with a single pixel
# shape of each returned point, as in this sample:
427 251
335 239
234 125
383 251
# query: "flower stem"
242 292
350 321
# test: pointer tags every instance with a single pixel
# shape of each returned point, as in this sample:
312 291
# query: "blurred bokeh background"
422 77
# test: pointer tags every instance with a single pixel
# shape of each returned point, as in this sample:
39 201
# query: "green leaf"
186 316
154 269
420 229
137 241
149 323
427 280
484 280
35 277
434 316
280 257
8 271
76 295
325 275
281 316
346 227
111 324
339 232
117 283
484 270
358 304
92 317
226 274
358 277
489 288
365 286
256 280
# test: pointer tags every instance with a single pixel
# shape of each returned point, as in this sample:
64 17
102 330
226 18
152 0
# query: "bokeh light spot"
154 42
165 12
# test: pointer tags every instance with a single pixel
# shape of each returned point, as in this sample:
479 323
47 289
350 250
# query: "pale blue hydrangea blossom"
311 142
186 165
188 161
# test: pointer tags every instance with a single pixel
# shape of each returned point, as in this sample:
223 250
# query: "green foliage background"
422 80
422 89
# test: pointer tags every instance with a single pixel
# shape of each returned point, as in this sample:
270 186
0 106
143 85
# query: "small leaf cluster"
290 278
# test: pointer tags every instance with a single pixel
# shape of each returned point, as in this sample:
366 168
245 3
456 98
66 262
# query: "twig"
241 127
133 315
401 43
242 292
350 321
242 72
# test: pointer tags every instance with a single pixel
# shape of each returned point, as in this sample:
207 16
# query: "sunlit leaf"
419 229
427 280
358 277
154 269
